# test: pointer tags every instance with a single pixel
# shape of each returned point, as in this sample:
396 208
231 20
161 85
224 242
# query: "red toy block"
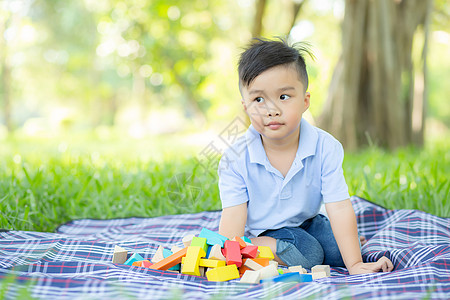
249 252
170 261
233 253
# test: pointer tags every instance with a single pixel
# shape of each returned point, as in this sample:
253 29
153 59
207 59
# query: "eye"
284 97
259 99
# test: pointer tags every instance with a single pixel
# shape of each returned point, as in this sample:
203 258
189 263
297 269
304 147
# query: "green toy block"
200 242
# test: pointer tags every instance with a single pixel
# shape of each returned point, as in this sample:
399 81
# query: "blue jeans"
310 244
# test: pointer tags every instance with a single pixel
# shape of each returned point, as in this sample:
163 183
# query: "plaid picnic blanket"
75 262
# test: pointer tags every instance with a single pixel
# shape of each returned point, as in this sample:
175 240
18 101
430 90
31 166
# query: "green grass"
46 183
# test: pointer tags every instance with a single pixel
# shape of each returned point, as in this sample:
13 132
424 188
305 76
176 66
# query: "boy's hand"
383 264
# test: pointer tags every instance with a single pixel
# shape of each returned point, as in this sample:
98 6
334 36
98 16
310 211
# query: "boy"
273 180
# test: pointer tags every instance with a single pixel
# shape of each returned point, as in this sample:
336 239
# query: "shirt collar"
306 147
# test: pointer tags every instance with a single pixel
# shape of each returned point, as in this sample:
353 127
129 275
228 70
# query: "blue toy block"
246 239
209 250
212 237
289 277
167 253
133 258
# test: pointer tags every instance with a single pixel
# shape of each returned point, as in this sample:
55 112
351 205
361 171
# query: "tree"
377 94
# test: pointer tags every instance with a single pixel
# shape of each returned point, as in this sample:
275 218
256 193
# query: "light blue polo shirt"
274 201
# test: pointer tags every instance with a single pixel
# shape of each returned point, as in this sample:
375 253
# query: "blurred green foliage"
80 64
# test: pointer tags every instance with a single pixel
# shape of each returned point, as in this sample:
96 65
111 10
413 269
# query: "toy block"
246 239
142 263
280 271
133 258
119 255
288 277
187 240
199 242
216 253
241 242
202 271
249 252
223 273
268 272
167 253
211 263
298 269
159 255
192 260
208 263
265 252
324 268
272 262
251 264
212 237
175 249
319 274
170 261
250 277
233 253
305 277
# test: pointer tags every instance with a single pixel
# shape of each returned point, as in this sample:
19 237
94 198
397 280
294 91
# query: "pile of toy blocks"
221 259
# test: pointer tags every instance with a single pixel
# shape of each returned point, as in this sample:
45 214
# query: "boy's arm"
343 222
232 222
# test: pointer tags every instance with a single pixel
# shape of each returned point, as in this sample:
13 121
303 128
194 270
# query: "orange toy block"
142 263
233 253
192 260
223 273
249 252
170 261
241 242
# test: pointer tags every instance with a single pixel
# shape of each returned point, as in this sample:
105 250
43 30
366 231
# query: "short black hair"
263 54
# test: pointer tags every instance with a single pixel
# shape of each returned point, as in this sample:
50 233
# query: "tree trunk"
371 94
257 23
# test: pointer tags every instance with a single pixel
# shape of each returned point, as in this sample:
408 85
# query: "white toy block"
251 277
297 269
175 249
216 253
251 264
158 255
187 240
119 255
324 268
268 272
319 274
272 262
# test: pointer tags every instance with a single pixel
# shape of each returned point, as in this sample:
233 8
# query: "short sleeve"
334 187
232 187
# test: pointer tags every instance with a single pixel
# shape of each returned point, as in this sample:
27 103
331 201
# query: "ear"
244 105
307 100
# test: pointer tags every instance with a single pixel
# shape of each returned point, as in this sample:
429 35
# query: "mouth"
274 125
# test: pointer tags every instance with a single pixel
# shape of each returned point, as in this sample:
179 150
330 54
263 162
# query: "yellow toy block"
192 260
216 253
250 277
265 252
223 273
208 263
119 255
321 268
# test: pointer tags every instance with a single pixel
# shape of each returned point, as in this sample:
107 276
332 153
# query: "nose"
273 111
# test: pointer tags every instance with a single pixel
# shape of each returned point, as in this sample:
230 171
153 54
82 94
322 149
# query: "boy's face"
275 102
